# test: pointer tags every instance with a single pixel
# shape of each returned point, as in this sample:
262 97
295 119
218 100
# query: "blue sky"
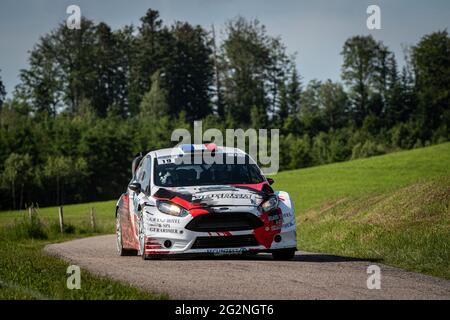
314 29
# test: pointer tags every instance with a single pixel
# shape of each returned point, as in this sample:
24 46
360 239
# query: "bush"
300 154
36 228
405 135
340 149
55 230
368 149
26 228
441 135
321 148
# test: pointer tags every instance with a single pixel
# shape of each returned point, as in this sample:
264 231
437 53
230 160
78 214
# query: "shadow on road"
321 257
299 257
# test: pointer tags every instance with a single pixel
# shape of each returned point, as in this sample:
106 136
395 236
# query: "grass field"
393 208
312 187
27 273
78 214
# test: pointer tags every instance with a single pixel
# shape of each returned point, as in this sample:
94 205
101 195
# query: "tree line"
92 98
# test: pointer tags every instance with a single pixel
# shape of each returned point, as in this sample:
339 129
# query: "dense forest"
92 98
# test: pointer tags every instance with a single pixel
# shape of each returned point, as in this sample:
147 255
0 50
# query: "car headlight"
170 208
269 204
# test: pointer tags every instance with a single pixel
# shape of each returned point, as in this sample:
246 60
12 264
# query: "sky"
313 29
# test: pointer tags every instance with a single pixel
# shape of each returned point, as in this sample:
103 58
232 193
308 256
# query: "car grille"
247 240
217 222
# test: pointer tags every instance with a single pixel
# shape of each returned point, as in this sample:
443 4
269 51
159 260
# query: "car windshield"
191 174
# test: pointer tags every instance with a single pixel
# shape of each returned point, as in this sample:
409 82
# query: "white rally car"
177 204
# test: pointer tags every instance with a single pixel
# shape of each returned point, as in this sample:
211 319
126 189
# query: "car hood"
220 195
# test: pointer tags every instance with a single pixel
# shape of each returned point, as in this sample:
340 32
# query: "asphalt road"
308 276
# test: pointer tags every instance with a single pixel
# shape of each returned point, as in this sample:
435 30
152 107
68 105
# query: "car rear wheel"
283 254
120 249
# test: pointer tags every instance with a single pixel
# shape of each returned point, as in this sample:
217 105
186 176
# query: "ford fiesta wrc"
181 203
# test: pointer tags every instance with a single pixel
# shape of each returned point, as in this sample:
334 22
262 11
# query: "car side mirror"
270 181
135 186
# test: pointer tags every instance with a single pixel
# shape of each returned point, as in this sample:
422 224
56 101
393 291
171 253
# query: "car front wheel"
283 254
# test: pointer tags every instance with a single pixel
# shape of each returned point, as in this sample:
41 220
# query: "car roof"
169 151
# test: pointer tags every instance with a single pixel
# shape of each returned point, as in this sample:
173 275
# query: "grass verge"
394 208
27 273
408 228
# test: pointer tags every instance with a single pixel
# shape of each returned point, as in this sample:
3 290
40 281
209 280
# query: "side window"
145 177
141 177
138 173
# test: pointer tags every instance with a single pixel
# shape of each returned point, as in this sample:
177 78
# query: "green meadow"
394 209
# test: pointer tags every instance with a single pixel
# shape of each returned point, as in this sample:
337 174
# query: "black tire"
283 254
120 249
129 252
151 257
141 249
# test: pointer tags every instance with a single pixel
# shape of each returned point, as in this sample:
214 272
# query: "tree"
63 170
277 72
62 69
310 97
110 69
220 108
57 168
150 47
431 61
68 67
188 71
2 92
106 147
74 51
334 104
283 110
257 117
17 172
254 65
154 103
364 70
400 95
310 113
183 56
41 83
409 99
294 91
245 56
298 154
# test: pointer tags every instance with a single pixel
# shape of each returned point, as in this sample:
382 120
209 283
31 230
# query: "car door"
133 196
145 180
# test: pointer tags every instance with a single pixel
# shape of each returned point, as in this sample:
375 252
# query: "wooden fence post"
61 219
93 224
30 212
